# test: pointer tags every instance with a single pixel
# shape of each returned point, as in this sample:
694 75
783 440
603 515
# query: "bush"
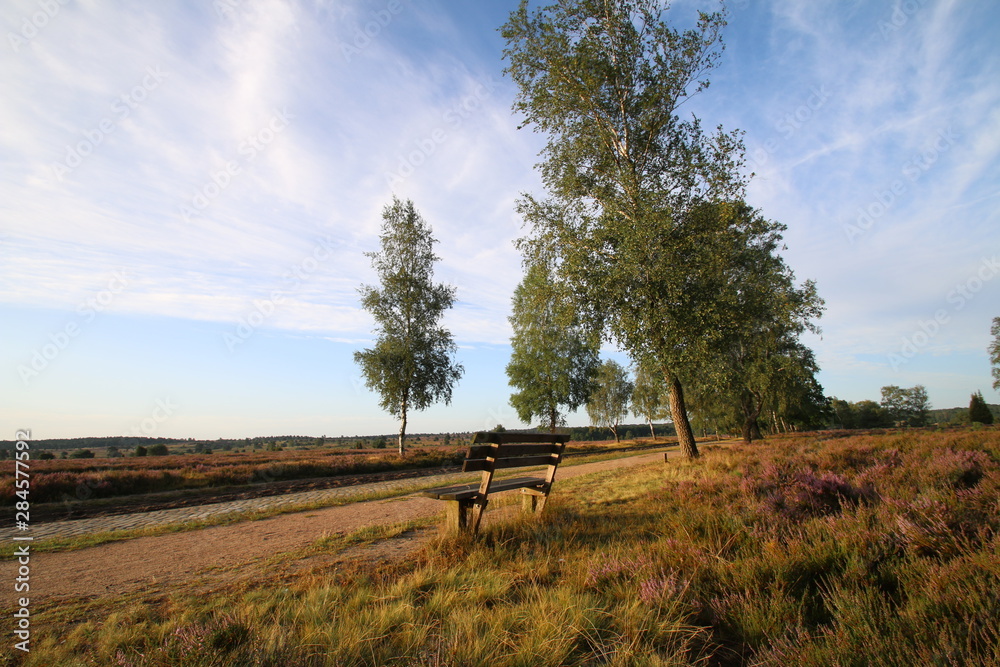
158 449
82 454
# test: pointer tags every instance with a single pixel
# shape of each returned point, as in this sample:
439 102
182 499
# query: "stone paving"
103 524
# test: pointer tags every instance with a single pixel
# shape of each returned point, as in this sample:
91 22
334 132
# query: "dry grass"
868 550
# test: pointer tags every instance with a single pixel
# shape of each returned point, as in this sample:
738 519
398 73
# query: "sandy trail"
223 553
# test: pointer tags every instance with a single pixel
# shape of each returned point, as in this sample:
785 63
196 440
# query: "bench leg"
457 516
533 501
480 507
529 503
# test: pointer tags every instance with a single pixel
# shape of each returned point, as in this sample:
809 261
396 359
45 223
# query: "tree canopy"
554 359
979 411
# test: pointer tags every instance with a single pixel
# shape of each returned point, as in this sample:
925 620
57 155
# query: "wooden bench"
490 452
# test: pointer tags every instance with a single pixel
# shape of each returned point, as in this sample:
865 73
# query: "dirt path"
225 552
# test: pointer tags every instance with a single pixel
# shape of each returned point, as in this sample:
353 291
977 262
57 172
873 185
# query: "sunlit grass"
869 550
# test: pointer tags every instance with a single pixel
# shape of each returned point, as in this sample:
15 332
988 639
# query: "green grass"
866 550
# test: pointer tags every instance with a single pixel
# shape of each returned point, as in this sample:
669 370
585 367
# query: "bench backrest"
497 451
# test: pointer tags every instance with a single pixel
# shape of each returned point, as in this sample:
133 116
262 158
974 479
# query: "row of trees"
642 238
642 235
898 407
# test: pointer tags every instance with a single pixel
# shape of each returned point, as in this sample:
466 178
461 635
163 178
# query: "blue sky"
187 191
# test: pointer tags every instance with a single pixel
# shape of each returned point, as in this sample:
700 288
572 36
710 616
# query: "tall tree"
979 411
609 401
994 351
412 364
650 398
604 80
554 359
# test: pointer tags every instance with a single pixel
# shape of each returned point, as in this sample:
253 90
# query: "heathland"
814 549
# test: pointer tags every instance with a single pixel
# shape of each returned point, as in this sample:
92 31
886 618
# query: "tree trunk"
614 429
402 430
652 431
681 424
553 417
751 410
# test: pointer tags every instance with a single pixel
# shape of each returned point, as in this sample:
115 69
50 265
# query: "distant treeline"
129 443
628 432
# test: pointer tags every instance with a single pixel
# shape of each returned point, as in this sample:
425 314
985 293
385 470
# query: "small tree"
159 449
994 351
553 360
917 406
650 397
979 411
609 401
905 406
411 365
140 450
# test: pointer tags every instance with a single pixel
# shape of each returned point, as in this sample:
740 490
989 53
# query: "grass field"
59 480
808 550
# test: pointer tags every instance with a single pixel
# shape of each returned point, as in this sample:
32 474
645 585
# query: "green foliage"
905 406
863 414
553 360
82 454
158 449
994 351
609 400
411 365
979 411
604 83
755 361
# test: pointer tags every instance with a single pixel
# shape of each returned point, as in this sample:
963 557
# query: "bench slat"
510 451
507 438
469 491
500 464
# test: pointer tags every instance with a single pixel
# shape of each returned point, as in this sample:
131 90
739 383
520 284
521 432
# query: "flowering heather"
59 480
